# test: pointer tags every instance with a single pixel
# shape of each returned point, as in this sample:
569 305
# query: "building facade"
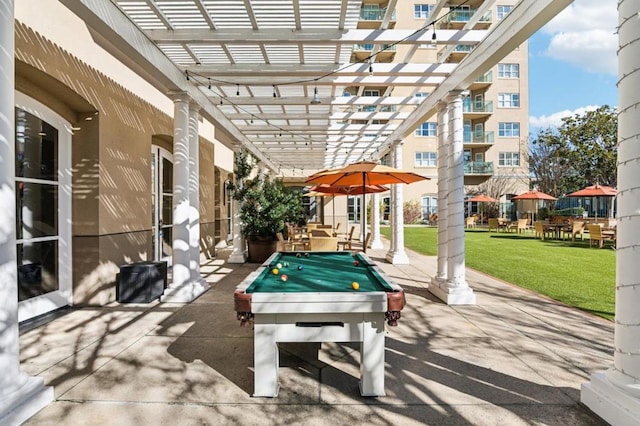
94 167
495 108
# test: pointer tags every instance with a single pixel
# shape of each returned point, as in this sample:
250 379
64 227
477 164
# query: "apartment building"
495 105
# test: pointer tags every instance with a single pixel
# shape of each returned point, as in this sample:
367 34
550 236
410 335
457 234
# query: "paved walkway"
515 358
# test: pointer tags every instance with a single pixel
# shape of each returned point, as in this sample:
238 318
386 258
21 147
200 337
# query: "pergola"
264 61
283 78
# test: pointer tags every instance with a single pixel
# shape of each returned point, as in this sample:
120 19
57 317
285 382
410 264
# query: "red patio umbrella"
482 198
535 196
595 191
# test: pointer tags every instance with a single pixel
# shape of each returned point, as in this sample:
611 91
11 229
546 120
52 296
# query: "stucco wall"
113 130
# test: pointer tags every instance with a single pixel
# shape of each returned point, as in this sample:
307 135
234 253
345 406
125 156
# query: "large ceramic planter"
260 249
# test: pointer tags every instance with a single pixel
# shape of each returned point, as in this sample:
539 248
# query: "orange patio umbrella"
364 173
535 196
482 198
595 191
324 189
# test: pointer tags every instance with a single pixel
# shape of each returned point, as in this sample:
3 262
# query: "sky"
573 63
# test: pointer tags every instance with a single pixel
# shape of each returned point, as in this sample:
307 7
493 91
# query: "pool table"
317 302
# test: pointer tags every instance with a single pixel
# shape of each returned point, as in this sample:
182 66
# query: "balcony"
478 139
361 52
478 168
474 109
482 82
457 19
458 53
375 14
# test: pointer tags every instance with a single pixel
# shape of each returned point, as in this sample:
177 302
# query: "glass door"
43 208
162 203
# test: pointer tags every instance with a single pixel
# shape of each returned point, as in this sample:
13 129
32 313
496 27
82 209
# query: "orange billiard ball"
355 285
284 277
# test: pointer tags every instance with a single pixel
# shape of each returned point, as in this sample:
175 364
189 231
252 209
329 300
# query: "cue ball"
299 267
355 285
284 277
279 265
275 271
356 263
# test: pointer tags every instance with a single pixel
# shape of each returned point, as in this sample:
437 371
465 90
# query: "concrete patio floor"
515 358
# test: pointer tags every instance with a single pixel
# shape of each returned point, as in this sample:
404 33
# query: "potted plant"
266 206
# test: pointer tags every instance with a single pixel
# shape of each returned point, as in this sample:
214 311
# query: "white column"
182 289
456 291
392 212
397 255
21 396
614 394
376 241
239 252
443 158
194 193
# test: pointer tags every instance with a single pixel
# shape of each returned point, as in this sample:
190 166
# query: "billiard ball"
355 285
356 263
284 277
279 266
299 267
306 255
274 271
298 255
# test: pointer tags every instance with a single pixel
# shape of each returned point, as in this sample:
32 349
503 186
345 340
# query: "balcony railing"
486 78
475 106
465 16
478 168
375 14
479 137
369 47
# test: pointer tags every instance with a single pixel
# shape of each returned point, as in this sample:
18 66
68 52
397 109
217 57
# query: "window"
371 93
509 159
421 94
502 11
508 70
353 209
422 11
427 129
508 100
429 206
507 130
426 159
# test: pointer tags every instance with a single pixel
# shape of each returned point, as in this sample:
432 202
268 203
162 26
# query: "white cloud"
584 35
555 119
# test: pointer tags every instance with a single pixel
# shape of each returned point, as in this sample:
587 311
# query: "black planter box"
141 282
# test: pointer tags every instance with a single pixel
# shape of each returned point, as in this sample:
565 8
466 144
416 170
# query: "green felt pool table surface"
333 271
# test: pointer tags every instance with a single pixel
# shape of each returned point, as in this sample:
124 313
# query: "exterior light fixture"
316 98
434 40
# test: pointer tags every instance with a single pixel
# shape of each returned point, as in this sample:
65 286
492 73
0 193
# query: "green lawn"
571 273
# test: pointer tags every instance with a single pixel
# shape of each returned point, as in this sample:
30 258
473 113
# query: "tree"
592 138
581 152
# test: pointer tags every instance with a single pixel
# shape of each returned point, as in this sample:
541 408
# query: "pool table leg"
266 360
372 355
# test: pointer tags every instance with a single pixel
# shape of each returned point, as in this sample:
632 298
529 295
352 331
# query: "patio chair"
576 227
284 245
470 222
541 230
336 229
346 244
493 224
522 225
362 247
597 236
